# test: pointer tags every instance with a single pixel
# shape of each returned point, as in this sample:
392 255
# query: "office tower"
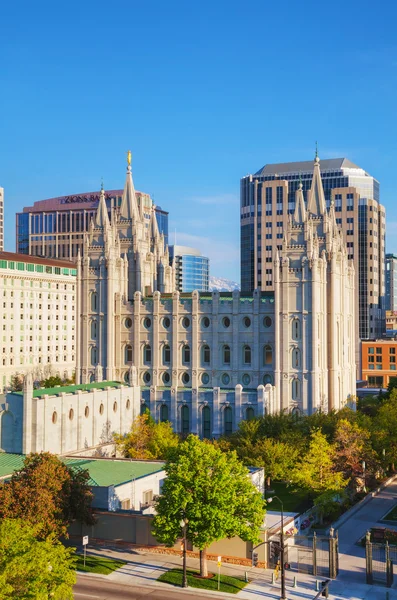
1 218
268 202
55 228
391 282
191 269
206 361
38 324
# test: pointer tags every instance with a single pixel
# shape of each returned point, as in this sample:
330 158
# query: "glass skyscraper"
191 269
267 201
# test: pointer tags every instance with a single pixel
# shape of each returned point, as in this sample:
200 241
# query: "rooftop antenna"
316 155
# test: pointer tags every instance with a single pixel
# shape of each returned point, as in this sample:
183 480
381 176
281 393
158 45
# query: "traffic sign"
85 540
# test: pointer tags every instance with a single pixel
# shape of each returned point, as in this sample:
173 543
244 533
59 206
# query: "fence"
379 560
314 554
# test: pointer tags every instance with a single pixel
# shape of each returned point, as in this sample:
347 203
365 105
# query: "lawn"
96 564
392 515
231 585
293 499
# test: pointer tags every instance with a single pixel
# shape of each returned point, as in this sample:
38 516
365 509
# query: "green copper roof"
103 472
114 472
10 463
72 389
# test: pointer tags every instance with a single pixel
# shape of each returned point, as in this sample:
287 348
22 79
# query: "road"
93 588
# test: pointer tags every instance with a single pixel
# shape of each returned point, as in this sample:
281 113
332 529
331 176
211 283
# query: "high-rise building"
55 228
391 282
1 219
268 203
191 269
38 324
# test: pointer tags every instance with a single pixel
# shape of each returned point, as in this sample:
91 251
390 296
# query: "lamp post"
283 596
363 466
183 525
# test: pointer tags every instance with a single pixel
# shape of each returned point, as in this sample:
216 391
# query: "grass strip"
231 585
96 564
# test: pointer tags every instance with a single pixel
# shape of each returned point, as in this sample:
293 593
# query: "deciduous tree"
148 440
32 568
212 490
47 494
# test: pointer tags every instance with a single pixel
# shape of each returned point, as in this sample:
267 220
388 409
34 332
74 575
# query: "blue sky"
202 93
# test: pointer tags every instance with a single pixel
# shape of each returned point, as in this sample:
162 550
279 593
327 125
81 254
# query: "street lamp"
183 525
283 596
363 466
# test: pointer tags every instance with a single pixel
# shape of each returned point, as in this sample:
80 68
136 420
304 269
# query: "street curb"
357 507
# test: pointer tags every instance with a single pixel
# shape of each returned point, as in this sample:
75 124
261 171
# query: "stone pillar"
238 393
260 399
27 414
216 419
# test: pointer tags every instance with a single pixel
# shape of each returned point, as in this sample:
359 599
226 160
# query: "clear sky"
202 93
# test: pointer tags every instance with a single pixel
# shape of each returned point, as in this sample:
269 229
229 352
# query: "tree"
384 433
352 445
148 440
51 382
47 494
212 490
30 568
316 471
16 384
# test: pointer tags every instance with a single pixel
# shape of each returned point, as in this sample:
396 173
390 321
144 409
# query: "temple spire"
300 210
316 199
129 205
102 217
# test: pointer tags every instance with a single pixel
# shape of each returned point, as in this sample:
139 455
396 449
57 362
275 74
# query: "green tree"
16 384
212 490
148 440
47 494
30 568
384 431
51 382
315 471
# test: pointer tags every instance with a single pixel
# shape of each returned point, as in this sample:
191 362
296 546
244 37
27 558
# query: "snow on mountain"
222 285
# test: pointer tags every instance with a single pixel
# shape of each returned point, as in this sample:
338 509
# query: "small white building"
66 419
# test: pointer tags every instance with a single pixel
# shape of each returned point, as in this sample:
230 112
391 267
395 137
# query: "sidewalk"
144 568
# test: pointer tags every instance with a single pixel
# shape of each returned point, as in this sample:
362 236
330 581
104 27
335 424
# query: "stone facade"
65 419
206 361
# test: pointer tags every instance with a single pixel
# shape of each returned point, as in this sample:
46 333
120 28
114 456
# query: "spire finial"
300 180
316 154
101 184
128 158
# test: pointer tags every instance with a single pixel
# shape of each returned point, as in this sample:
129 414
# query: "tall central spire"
102 217
129 205
316 198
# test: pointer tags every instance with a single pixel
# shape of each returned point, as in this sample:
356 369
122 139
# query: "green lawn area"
392 515
231 585
293 499
96 564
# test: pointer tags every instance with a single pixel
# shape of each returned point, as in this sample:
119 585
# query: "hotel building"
56 228
38 319
268 203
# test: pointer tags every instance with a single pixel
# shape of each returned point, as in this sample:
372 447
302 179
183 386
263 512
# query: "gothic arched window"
206 420
128 354
296 329
94 355
226 355
206 355
228 420
166 355
296 389
296 358
186 355
147 354
94 326
164 413
185 420
94 301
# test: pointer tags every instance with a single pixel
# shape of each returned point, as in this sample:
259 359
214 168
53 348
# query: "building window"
228 420
296 329
71 414
295 389
206 420
94 301
144 409
166 378
166 323
185 378
225 379
186 355
296 355
166 355
94 356
226 322
267 379
247 355
247 322
146 377
267 355
205 322
185 420
128 354
86 412
246 379
147 323
147 354
186 322
206 355
226 355
164 413
249 414
267 322
128 323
